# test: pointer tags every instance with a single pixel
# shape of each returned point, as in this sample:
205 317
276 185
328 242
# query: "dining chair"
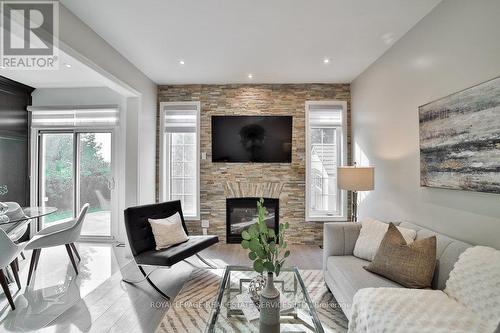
17 232
9 251
66 233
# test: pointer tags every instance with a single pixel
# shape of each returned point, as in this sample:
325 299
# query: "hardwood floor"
109 304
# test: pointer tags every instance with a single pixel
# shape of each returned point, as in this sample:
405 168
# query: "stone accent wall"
258 99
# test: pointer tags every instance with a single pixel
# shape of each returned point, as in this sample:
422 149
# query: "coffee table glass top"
297 313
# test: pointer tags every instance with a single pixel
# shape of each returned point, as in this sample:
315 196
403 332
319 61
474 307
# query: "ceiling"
70 74
278 41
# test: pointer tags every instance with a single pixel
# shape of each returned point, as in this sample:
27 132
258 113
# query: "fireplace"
241 213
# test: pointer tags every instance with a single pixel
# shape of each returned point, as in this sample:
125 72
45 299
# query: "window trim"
343 161
164 158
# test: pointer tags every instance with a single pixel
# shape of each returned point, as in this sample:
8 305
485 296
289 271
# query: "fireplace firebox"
241 213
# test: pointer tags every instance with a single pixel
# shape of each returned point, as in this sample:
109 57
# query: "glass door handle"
111 183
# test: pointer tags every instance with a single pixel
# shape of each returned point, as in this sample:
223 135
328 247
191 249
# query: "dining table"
13 219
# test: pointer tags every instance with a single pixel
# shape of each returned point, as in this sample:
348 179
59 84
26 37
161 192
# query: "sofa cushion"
371 235
447 252
411 265
350 276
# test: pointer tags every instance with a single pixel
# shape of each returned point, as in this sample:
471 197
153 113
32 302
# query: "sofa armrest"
339 239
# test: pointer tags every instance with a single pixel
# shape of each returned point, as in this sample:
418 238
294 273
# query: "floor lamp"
355 179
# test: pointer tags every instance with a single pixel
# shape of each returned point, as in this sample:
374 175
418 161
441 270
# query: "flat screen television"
259 139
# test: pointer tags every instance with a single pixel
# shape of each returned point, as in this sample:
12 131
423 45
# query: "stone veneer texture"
258 99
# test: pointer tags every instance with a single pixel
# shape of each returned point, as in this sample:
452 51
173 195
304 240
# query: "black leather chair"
142 242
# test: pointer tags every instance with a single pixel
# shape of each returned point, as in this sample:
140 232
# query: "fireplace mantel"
236 189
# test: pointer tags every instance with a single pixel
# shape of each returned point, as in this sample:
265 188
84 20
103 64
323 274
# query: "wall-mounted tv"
259 139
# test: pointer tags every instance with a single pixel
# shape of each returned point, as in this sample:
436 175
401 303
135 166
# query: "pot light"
326 60
250 76
181 62
67 65
388 38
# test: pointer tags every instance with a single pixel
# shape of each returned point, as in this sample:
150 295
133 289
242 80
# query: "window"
179 155
325 151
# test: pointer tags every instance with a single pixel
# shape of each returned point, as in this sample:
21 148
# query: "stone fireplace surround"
236 189
243 190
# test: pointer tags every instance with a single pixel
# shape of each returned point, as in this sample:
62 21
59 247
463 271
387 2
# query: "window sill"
323 219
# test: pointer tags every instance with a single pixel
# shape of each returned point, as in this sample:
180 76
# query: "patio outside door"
76 168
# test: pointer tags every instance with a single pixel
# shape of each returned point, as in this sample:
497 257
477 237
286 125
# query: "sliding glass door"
57 174
76 168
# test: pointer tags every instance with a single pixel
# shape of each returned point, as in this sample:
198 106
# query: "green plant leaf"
271 233
253 230
261 253
269 266
252 255
278 269
245 235
263 228
254 245
258 266
287 225
245 244
287 253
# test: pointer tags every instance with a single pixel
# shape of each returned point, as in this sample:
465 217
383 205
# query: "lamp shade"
354 178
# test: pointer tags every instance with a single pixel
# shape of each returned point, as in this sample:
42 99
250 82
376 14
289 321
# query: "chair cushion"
139 233
176 253
168 231
349 274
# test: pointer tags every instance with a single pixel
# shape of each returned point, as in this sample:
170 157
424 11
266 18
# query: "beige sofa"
344 274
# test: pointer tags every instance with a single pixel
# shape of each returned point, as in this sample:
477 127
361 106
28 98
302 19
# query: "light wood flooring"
114 306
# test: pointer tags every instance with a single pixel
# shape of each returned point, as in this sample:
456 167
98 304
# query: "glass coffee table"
297 315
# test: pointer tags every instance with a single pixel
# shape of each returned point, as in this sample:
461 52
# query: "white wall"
81 42
455 46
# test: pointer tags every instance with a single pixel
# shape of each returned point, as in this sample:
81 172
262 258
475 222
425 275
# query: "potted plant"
268 252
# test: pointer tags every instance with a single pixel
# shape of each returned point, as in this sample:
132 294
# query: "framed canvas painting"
460 140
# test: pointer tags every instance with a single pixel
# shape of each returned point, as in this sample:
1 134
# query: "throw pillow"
475 281
370 236
168 231
411 265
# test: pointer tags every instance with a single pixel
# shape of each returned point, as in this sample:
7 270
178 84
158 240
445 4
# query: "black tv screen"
261 139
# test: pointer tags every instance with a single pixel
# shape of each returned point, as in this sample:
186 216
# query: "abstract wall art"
460 140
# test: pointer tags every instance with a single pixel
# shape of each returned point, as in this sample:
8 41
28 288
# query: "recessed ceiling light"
326 60
388 38
250 76
181 62
67 65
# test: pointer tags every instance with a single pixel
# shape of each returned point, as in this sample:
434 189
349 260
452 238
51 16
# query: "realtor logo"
29 36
